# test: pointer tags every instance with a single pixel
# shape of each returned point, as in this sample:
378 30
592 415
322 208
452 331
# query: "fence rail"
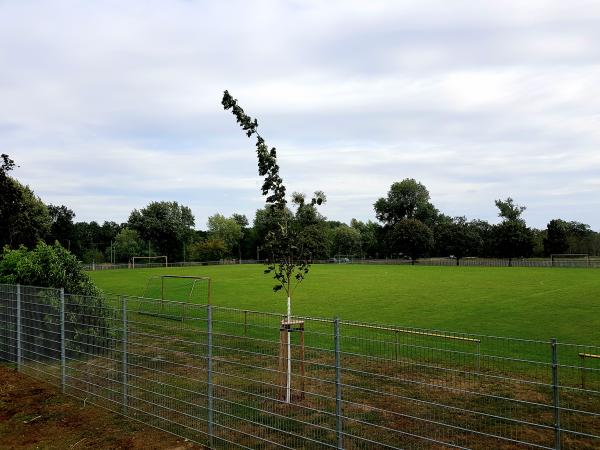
214 376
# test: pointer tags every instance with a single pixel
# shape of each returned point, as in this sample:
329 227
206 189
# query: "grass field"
534 303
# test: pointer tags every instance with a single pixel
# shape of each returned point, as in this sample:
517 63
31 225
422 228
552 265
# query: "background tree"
369 237
228 230
556 237
456 237
24 218
167 225
242 221
127 244
411 237
509 210
207 250
346 240
512 237
407 199
61 227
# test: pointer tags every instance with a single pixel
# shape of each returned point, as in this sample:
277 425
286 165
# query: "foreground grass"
534 303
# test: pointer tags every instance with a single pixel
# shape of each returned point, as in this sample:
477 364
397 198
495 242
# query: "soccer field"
534 303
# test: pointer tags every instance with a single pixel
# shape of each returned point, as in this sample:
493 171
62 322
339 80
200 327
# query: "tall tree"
556 237
24 218
512 237
165 224
407 199
509 210
61 228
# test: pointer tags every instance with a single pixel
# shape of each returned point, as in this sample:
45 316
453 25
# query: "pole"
555 394
338 384
63 366
288 385
210 380
124 355
19 348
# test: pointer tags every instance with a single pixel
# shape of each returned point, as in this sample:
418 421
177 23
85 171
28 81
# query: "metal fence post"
19 348
209 372
338 384
63 366
124 354
555 394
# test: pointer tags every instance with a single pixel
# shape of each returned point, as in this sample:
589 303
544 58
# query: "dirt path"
35 415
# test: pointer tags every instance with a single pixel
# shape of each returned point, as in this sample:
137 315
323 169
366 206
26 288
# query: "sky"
109 105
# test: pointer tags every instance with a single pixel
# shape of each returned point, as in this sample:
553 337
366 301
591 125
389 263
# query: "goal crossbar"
133 258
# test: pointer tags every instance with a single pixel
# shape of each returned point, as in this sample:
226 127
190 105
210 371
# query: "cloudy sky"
109 105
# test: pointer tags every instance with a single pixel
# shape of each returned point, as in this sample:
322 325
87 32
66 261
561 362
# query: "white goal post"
569 258
133 259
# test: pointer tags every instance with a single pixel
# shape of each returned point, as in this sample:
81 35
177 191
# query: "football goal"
570 260
343 259
161 261
168 296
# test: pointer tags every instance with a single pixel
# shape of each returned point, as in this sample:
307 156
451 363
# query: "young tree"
289 253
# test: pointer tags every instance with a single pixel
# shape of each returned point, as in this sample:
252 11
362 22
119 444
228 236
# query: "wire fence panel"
218 376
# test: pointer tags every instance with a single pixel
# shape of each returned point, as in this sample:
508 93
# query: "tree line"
407 225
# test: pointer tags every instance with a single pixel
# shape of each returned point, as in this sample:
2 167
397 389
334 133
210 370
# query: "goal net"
149 261
570 260
343 259
168 296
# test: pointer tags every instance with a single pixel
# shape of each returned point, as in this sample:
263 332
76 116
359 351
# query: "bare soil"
35 415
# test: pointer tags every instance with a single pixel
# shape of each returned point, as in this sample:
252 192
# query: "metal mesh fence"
218 376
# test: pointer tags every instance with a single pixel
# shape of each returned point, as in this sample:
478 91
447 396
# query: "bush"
46 266
87 318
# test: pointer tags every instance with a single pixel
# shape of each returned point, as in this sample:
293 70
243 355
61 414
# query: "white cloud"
109 105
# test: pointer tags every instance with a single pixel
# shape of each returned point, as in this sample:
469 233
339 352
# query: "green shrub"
88 325
46 266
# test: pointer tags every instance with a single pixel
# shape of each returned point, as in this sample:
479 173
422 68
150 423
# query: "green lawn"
535 303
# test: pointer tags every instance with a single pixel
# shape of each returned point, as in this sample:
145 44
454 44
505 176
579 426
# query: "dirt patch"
35 415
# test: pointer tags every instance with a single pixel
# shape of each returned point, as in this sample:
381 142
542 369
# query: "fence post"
124 355
555 394
209 371
63 366
338 384
19 345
